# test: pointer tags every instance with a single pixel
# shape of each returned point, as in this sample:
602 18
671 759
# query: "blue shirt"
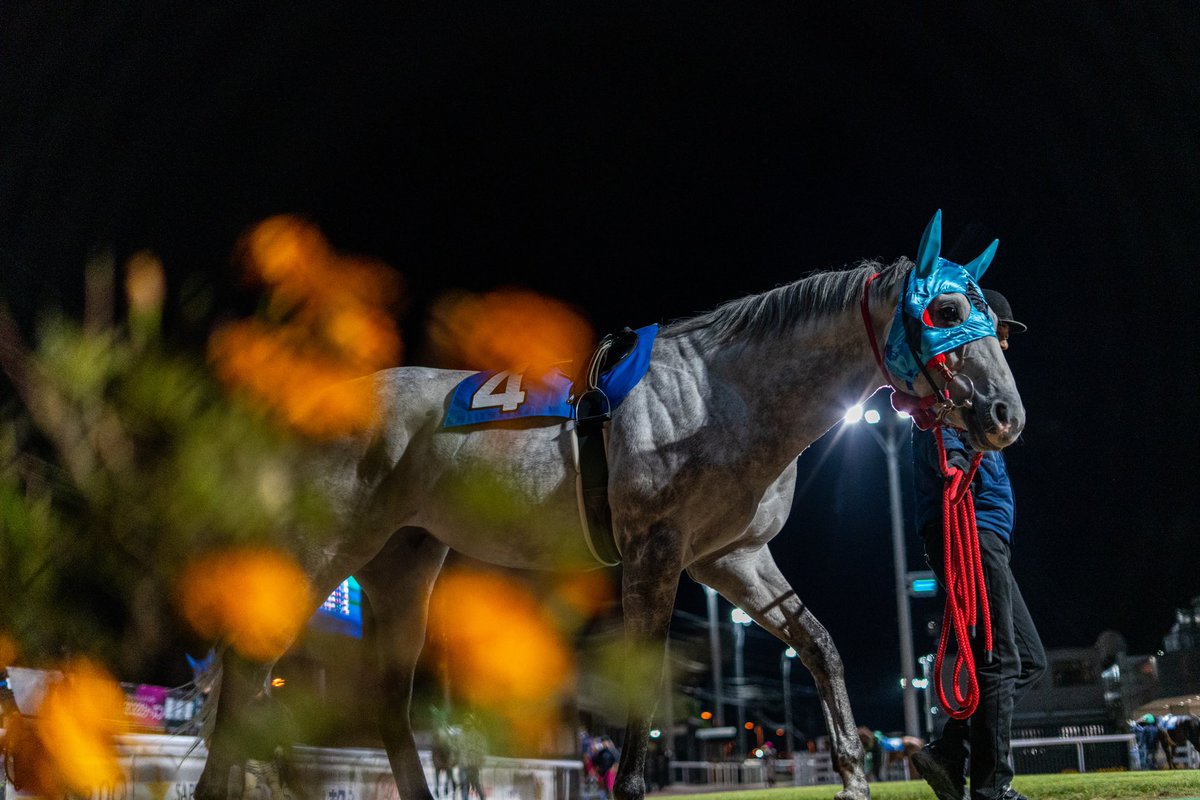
994 506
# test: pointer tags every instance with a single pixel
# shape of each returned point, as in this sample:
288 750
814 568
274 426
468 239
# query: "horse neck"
799 384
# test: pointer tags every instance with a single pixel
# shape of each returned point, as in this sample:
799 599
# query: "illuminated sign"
342 611
922 584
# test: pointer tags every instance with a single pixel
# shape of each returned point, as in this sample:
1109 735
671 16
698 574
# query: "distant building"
1097 690
1166 682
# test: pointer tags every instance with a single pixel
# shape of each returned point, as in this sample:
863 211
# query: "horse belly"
506 496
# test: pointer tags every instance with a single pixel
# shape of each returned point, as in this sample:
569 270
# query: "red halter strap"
919 408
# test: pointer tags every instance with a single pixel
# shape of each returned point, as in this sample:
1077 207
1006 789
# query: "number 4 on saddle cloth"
586 393
555 390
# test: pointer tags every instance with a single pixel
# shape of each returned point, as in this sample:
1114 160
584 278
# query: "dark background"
647 161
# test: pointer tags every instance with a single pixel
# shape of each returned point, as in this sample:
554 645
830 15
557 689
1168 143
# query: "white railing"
150 762
718 773
814 769
1070 753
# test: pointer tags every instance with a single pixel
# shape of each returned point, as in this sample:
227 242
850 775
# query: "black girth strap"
592 414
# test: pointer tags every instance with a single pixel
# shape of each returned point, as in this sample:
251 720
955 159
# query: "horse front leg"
398 582
238 736
650 578
751 580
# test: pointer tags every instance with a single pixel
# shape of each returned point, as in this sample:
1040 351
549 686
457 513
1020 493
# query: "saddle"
586 391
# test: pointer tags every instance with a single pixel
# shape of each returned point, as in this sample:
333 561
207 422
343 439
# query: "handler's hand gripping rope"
966 593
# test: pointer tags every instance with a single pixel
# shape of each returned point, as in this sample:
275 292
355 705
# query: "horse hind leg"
751 580
650 578
398 583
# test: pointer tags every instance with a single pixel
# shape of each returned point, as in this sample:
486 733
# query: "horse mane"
810 299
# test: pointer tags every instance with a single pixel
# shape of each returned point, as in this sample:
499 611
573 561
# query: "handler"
1018 657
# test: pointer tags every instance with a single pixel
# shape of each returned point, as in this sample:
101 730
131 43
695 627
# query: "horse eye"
949 314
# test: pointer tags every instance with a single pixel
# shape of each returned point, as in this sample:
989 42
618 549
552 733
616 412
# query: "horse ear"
930 247
983 260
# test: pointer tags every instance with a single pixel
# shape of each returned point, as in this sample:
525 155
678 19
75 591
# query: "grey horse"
702 457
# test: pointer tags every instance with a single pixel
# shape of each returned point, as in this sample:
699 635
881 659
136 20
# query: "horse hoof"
857 790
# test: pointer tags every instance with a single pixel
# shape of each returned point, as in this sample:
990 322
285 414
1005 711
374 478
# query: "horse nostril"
1000 411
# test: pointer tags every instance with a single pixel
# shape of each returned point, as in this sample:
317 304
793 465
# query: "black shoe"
1009 793
944 775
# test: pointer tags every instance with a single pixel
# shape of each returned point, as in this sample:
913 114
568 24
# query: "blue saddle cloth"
501 395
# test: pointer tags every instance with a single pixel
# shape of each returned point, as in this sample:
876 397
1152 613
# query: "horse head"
942 347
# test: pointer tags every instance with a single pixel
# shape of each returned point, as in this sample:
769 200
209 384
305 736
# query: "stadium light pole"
714 653
785 665
740 620
891 441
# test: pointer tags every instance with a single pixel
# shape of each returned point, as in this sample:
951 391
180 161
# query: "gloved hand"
956 483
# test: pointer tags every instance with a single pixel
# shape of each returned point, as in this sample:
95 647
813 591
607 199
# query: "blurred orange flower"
585 594
8 650
256 599
76 723
506 328
506 654
327 323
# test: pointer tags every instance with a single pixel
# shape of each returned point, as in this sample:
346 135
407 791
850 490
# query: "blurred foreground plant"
133 483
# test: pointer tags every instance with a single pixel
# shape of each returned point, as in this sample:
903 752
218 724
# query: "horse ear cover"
979 266
930 247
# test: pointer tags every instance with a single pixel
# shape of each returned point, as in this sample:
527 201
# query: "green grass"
1174 784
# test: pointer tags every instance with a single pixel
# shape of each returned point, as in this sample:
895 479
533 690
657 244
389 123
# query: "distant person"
770 757
604 760
472 750
1147 740
657 767
1018 657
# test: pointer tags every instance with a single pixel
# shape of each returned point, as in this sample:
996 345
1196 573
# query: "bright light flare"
257 599
871 416
740 617
853 414
790 652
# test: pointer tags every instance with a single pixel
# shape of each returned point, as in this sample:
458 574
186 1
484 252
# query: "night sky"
648 161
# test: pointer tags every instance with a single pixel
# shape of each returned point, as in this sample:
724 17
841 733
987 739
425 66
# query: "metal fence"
152 764
718 773
1112 752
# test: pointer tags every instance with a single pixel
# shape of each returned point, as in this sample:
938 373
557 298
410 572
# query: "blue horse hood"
933 275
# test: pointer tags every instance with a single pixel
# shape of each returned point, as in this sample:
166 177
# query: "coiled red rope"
966 592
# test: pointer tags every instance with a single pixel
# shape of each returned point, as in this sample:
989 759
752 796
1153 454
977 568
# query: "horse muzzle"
998 423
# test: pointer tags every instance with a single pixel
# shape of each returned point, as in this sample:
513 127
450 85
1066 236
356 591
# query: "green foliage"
121 461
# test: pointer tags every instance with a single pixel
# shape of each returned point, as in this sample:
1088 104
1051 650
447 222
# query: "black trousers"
1018 661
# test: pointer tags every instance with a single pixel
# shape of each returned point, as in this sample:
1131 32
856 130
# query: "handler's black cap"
1000 305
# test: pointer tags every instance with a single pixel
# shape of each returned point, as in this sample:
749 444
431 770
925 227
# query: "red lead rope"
962 566
966 593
